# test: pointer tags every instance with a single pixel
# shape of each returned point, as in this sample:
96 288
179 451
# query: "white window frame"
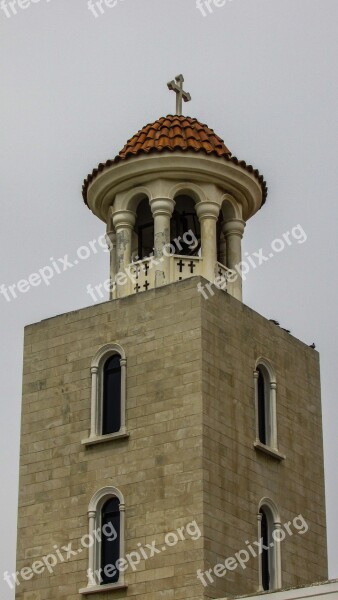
270 382
97 368
94 551
274 552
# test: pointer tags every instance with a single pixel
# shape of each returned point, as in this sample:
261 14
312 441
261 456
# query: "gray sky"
262 73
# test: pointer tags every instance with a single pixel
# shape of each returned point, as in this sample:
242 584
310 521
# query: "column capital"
234 227
124 219
207 210
162 206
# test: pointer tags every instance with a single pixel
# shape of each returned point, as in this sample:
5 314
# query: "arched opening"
226 250
270 555
106 515
110 544
143 242
111 395
265 393
265 550
185 220
262 407
221 248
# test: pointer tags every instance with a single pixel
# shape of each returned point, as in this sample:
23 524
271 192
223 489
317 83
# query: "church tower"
171 442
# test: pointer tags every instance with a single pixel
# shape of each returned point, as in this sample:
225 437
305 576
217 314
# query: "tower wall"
236 476
190 456
158 468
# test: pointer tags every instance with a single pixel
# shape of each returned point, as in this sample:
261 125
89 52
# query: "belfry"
173 177
171 443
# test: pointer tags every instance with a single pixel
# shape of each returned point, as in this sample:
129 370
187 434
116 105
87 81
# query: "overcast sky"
75 87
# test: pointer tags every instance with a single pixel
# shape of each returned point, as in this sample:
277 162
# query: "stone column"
260 574
273 411
123 364
91 551
162 209
124 221
233 231
122 539
111 242
256 377
223 250
277 555
207 213
94 407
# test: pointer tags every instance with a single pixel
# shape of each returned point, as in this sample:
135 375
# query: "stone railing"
183 267
143 273
224 278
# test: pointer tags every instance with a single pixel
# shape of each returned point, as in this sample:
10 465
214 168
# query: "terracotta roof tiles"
173 133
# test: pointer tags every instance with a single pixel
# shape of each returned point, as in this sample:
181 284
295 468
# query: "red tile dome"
175 133
170 134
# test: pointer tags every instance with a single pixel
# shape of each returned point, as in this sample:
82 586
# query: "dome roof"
173 133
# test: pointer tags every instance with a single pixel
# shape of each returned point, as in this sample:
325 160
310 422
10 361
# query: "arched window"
265 550
108 395
269 528
184 219
105 541
264 417
265 404
110 544
111 395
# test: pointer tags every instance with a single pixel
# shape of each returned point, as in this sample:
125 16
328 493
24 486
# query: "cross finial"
177 87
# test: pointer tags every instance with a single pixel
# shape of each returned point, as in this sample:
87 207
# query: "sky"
76 84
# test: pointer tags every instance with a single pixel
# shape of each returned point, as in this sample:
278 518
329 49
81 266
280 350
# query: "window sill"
269 451
96 589
99 439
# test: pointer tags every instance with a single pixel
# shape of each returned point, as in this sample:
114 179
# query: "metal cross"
177 87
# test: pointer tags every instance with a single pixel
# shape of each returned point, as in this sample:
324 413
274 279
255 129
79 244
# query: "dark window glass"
111 410
145 240
265 553
110 545
261 408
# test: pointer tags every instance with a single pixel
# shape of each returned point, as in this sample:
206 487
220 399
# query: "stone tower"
171 442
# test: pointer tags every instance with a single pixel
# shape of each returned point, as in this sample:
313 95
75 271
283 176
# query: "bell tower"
173 177
171 441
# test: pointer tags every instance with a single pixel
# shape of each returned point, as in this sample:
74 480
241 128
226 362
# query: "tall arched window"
265 550
108 395
105 541
111 395
269 527
264 412
265 405
110 544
